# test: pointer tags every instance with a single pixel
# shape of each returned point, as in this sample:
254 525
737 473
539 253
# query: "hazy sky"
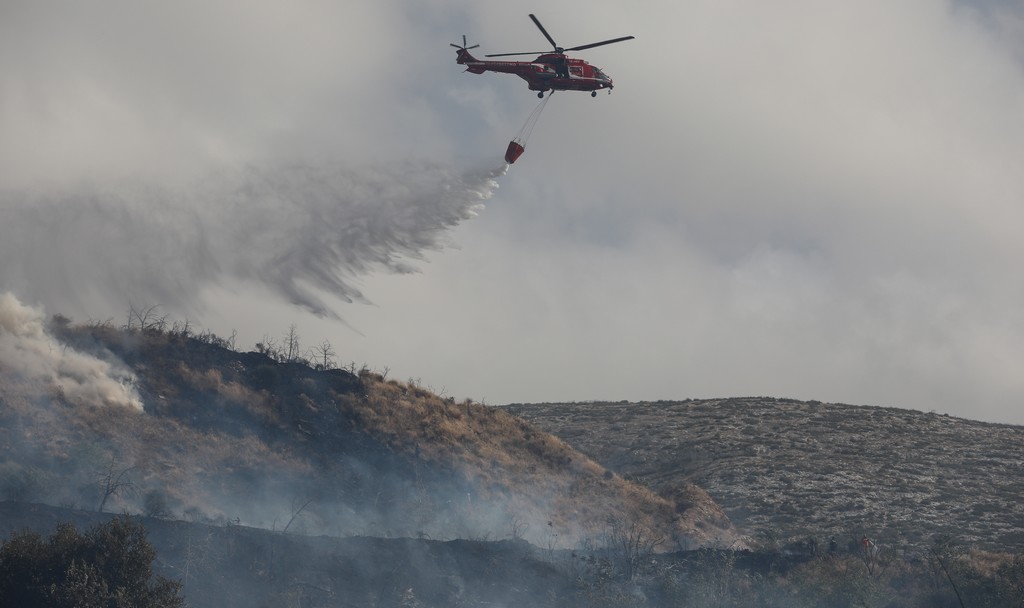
809 199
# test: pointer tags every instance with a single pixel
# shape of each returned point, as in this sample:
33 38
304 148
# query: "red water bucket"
515 150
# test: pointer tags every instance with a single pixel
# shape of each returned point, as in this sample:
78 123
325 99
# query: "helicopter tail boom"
463 57
473 64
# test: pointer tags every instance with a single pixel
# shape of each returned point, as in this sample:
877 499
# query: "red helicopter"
548 72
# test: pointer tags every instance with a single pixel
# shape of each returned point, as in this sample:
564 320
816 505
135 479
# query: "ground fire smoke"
28 350
302 231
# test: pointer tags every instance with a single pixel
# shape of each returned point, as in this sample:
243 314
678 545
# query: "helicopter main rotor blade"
544 31
510 54
602 43
559 49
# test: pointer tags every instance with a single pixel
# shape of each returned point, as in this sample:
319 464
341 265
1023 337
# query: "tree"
631 544
291 349
268 346
114 482
943 555
145 318
110 566
298 506
323 355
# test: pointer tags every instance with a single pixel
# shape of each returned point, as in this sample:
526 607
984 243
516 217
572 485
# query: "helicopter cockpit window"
599 74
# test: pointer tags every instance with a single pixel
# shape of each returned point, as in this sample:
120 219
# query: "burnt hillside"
252 439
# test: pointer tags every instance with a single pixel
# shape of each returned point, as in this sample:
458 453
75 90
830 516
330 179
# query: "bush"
155 504
109 566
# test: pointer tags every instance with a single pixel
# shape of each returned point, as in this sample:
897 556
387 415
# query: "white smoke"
28 350
301 230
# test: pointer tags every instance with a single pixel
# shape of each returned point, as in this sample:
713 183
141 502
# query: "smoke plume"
28 350
303 231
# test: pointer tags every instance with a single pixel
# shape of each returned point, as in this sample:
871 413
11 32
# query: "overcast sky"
808 199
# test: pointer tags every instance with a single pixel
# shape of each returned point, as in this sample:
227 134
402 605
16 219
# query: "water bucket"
515 150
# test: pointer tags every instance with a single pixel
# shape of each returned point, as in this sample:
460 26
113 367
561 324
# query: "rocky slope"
787 470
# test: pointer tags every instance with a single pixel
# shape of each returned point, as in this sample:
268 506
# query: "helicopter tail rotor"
464 57
464 43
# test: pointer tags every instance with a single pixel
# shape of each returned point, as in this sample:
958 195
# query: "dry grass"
538 475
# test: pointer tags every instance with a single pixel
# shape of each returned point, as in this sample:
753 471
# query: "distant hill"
786 470
270 441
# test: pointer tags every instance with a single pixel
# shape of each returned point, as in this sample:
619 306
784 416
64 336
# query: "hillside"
263 480
786 470
229 566
212 435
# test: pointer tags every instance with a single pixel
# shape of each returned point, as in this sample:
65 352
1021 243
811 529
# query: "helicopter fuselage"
548 72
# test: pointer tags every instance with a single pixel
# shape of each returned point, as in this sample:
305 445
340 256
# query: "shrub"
109 566
155 504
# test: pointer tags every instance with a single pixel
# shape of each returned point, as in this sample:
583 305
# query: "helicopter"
548 72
